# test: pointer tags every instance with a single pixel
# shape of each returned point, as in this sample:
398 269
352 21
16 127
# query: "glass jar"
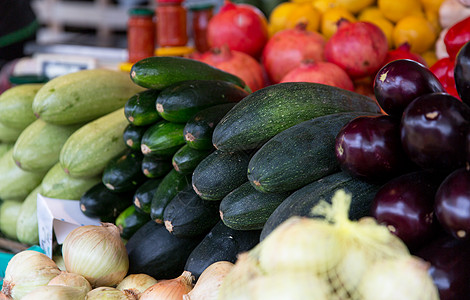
171 23
140 34
201 14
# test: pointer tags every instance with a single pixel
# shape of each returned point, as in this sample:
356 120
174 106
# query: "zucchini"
268 111
187 215
130 220
198 130
83 96
298 155
154 251
179 102
186 159
301 202
100 202
133 136
89 149
220 173
38 147
124 173
27 230
154 167
246 208
144 194
9 213
140 108
221 243
163 139
9 134
159 72
16 105
170 186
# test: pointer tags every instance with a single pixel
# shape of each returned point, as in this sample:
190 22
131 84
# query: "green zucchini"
83 96
9 213
16 105
27 230
170 186
89 149
301 202
198 130
130 220
187 215
159 72
38 147
186 159
124 173
220 173
298 155
163 139
179 102
9 134
246 208
133 136
268 111
144 194
140 108
155 167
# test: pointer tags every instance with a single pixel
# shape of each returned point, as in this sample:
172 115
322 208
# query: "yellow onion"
59 261
108 293
72 280
208 284
4 297
171 289
135 284
56 292
26 271
97 253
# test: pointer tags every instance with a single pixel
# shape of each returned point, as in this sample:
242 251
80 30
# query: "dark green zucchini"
186 159
154 251
154 167
298 155
130 220
268 111
220 173
198 130
144 194
100 202
140 109
301 202
133 136
179 102
220 244
170 186
246 208
124 173
163 139
187 215
159 72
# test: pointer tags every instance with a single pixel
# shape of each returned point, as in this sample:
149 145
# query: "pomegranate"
358 47
403 52
320 72
286 49
242 27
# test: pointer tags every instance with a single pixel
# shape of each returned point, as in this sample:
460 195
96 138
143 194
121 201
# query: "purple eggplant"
434 132
462 73
401 81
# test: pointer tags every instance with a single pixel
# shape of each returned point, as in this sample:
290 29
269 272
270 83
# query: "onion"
97 253
108 293
171 289
135 284
56 292
208 284
71 280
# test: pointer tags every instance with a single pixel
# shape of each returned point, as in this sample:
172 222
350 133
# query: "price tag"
51 65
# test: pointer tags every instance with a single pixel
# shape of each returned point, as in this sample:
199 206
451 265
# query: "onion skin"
208 284
136 284
170 289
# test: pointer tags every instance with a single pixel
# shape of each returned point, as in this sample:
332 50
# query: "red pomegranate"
403 52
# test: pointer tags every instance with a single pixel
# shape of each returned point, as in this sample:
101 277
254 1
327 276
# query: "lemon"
279 16
323 5
330 19
430 57
433 18
370 13
354 6
415 30
431 5
395 10
304 13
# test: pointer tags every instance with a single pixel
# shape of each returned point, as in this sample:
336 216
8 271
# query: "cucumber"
130 220
16 105
220 173
268 111
298 155
198 130
187 215
246 208
89 149
159 72
38 147
170 186
144 194
83 96
9 213
154 167
124 173
140 109
163 139
301 202
179 102
133 136
186 159
27 230
60 185
9 134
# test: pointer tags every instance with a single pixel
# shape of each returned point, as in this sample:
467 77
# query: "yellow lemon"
432 5
279 16
301 1
433 18
415 30
370 13
354 6
323 5
386 26
395 10
304 13
430 57
330 19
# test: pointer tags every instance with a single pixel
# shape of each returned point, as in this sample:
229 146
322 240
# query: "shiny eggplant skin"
462 73
452 203
434 130
401 81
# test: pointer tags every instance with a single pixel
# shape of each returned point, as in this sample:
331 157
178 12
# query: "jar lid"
141 11
28 78
201 6
174 51
170 1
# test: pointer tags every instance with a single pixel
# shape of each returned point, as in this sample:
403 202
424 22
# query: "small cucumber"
163 139
154 167
16 105
140 108
27 230
144 194
130 220
186 159
133 136
159 72
179 102
124 173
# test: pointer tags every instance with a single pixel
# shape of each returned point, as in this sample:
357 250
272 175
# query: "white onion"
56 292
136 283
